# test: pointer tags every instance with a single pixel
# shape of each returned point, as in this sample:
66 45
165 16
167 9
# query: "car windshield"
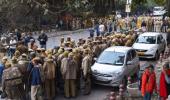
158 9
111 57
146 39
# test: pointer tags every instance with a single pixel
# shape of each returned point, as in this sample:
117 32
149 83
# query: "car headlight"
152 50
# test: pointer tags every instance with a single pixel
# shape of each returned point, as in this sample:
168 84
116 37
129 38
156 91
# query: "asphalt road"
98 92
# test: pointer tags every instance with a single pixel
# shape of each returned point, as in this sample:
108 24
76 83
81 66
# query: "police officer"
69 72
49 69
86 71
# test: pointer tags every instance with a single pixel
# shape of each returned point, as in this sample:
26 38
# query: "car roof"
150 34
122 49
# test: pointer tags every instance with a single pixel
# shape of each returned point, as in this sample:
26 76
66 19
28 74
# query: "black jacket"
43 39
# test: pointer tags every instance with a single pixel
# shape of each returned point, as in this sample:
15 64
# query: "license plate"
140 53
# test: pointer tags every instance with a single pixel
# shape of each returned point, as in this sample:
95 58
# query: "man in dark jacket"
43 40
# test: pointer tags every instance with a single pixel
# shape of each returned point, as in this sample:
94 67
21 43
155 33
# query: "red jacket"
148 82
162 84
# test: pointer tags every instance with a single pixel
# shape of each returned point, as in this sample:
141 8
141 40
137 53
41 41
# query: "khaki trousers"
87 87
50 88
70 88
34 92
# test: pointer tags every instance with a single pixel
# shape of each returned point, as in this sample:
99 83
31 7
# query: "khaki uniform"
12 83
96 50
86 64
49 69
69 72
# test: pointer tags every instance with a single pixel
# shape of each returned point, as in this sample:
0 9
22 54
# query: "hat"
14 60
42 49
70 54
30 50
7 64
49 56
17 53
65 54
60 51
86 51
24 55
4 58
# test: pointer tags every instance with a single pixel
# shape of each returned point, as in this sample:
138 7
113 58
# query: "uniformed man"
96 49
49 69
86 71
69 73
12 82
17 54
62 41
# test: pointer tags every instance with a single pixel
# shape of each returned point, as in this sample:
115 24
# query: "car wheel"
156 55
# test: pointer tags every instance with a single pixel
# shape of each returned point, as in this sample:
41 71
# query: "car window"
111 57
146 39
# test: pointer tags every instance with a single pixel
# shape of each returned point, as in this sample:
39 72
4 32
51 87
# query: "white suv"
150 45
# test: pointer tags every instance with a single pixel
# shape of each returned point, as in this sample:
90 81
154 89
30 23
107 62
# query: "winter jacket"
43 39
49 69
148 82
86 64
163 84
69 68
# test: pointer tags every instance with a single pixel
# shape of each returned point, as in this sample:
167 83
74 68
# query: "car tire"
156 56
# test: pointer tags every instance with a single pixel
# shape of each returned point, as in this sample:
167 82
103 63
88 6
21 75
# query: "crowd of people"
28 71
26 68
149 84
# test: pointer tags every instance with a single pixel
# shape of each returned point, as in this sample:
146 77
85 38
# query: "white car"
159 11
150 45
114 65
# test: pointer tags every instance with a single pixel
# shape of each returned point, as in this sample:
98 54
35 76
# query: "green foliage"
160 2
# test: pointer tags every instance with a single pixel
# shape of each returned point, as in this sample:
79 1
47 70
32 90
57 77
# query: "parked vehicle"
159 11
150 45
114 65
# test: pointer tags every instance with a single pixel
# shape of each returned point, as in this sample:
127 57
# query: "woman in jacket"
148 82
164 83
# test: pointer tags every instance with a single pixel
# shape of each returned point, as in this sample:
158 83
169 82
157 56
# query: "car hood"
106 69
143 46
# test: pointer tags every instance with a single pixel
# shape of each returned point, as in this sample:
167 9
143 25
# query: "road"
98 92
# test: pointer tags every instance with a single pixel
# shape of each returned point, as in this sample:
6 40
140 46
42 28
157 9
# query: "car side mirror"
129 63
